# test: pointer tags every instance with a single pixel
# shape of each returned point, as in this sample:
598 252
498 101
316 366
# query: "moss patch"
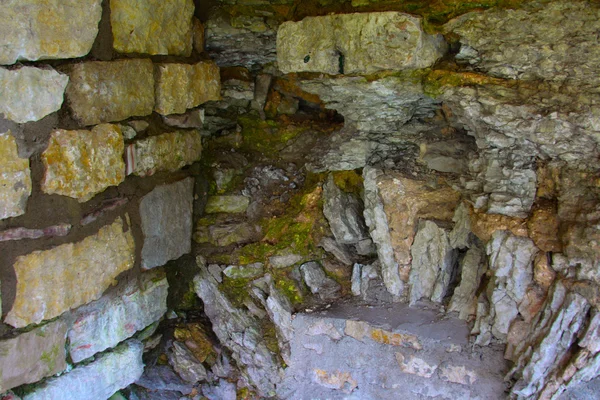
349 181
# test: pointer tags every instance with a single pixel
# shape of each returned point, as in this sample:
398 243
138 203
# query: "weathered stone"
413 365
227 234
356 43
15 178
226 204
110 372
393 206
152 26
198 35
195 338
240 332
484 225
29 93
163 378
457 374
81 164
53 281
183 86
446 156
395 339
33 355
166 152
249 271
433 263
543 227
335 380
318 282
166 215
464 299
191 119
461 236
543 274
100 91
37 30
223 391
552 30
285 260
321 327
118 315
344 212
186 364
339 251
375 106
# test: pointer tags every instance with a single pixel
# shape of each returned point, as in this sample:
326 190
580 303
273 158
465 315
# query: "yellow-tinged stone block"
53 281
15 178
152 26
183 86
81 164
47 29
107 91
166 152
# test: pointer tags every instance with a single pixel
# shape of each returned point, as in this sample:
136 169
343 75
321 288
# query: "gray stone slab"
166 215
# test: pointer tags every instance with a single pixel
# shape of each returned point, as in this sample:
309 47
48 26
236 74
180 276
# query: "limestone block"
166 152
166 215
15 178
344 212
29 93
81 164
183 86
33 355
152 26
356 43
99 380
48 29
393 206
53 281
118 315
101 91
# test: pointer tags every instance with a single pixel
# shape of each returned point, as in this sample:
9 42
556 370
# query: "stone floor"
394 352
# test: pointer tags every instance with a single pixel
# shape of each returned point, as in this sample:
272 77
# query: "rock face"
34 355
183 86
112 371
374 106
356 44
37 30
152 26
433 263
226 204
118 315
166 215
344 214
551 30
29 93
166 152
393 206
101 91
81 164
319 283
53 281
15 178
240 332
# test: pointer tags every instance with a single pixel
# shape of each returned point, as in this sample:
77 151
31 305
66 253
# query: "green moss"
349 181
49 357
266 137
288 287
189 301
434 81
236 290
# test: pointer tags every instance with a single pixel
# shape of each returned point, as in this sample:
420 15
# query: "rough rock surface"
344 212
186 364
319 283
33 355
433 263
166 152
240 332
53 281
356 43
376 106
166 215
183 86
118 315
29 93
39 29
472 267
100 91
15 178
110 372
81 164
393 206
226 204
152 26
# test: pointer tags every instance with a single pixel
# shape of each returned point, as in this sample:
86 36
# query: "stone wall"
97 190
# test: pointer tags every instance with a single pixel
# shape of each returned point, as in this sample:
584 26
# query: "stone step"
365 352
